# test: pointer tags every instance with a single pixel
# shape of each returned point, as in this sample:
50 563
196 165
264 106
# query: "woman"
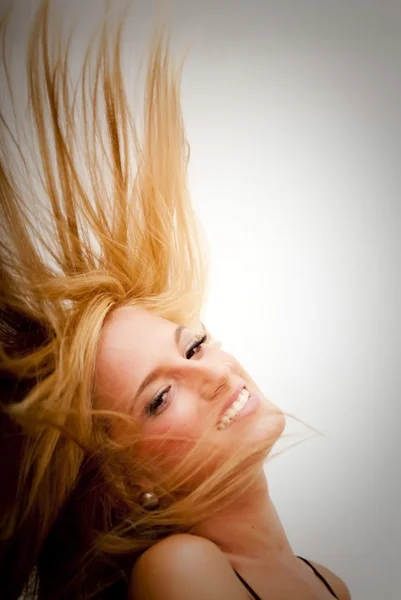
134 444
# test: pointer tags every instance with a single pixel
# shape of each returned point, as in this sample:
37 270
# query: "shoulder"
339 586
184 566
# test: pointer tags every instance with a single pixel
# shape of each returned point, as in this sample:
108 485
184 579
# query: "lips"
231 399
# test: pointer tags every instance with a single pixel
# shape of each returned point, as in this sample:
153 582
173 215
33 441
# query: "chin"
266 423
272 419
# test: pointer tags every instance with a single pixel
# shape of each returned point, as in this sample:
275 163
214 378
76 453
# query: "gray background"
293 115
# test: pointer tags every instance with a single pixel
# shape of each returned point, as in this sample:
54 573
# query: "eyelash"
154 406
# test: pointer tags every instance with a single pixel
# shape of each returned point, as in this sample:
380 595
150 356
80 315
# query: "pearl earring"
149 500
228 364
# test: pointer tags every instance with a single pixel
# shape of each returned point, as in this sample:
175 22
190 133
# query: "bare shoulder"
184 566
339 586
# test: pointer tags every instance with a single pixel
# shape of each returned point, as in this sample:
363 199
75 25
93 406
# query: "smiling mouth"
234 409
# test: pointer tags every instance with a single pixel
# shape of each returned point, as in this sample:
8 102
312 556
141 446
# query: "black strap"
248 587
254 594
320 576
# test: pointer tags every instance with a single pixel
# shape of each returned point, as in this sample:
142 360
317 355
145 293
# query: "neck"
249 530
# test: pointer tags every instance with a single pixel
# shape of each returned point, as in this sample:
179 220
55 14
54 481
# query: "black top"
254 594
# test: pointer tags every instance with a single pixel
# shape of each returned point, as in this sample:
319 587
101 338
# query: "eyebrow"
157 372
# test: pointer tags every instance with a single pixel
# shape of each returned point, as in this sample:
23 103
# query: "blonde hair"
83 234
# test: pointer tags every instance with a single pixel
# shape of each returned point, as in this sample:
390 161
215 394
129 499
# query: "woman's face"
169 382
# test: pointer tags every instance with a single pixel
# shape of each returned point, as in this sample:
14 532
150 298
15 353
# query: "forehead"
128 348
130 326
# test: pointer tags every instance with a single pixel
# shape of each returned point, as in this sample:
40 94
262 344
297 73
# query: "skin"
133 343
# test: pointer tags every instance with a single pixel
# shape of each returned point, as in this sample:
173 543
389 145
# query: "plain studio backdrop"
293 114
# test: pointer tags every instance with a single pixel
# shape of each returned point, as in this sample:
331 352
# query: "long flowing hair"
95 214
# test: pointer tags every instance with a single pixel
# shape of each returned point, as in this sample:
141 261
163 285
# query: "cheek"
181 419
182 416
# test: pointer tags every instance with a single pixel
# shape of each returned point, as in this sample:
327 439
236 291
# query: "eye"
190 353
158 402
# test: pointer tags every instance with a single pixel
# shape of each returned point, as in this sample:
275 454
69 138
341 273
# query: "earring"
228 364
149 500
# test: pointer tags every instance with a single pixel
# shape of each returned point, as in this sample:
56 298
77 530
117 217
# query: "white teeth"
236 406
230 413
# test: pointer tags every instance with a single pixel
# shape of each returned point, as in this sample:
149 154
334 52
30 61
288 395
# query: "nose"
212 377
